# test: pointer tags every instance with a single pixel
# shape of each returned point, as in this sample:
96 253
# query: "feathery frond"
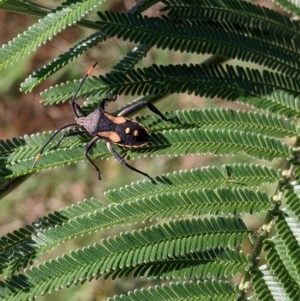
40 75
164 142
288 240
262 123
131 59
235 12
208 177
26 245
243 43
200 290
291 6
45 29
92 216
292 201
63 59
268 91
278 259
130 251
267 287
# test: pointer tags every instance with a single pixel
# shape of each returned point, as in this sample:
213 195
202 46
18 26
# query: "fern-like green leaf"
23 247
175 244
288 241
200 290
278 261
91 41
236 12
267 287
163 142
220 142
170 143
242 43
207 264
45 29
291 6
208 201
131 58
292 201
86 218
297 173
25 149
265 124
38 76
245 85
64 91
266 90
208 177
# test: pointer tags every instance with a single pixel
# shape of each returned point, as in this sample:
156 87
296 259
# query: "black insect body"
118 130
104 126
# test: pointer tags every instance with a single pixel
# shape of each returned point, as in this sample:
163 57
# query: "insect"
112 129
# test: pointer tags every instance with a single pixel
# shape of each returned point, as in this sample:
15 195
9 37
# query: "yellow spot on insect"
128 130
135 133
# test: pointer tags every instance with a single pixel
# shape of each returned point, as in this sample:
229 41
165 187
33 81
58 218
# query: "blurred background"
23 114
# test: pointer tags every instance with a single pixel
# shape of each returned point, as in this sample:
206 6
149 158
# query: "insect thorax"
96 122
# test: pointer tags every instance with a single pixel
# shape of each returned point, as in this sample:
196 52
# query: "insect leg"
88 147
49 140
141 104
77 106
123 162
105 100
65 135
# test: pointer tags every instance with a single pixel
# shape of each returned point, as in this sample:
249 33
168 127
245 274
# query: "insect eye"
135 133
128 130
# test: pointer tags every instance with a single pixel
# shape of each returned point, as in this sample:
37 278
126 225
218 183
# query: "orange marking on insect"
116 119
112 136
134 146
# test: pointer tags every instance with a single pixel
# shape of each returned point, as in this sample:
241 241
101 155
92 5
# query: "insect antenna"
72 101
49 140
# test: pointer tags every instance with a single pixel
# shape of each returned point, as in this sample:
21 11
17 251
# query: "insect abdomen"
132 134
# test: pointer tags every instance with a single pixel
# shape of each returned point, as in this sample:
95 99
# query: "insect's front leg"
49 140
123 162
68 134
144 103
